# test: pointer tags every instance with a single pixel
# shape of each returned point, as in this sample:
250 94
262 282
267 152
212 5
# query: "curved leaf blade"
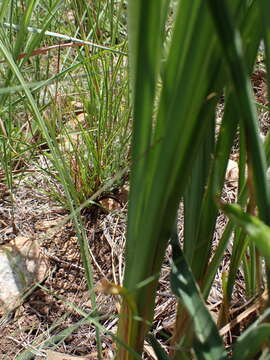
183 285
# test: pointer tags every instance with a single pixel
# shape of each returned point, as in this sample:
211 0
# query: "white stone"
21 265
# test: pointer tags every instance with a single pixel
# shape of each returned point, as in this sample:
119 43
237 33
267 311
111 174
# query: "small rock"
21 265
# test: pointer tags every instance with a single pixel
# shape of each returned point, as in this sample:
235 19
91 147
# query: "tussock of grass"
82 115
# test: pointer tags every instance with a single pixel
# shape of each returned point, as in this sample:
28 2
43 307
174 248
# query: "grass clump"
69 95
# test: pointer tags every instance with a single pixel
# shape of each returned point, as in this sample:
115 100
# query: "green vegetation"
77 106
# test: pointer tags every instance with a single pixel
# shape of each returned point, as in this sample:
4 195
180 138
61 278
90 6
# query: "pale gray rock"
21 265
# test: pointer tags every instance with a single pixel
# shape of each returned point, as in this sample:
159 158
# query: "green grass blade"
239 242
145 58
205 232
255 228
239 247
171 153
214 187
194 193
216 260
3 9
242 343
162 152
184 286
35 40
60 36
66 180
25 21
160 353
144 257
251 342
233 52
